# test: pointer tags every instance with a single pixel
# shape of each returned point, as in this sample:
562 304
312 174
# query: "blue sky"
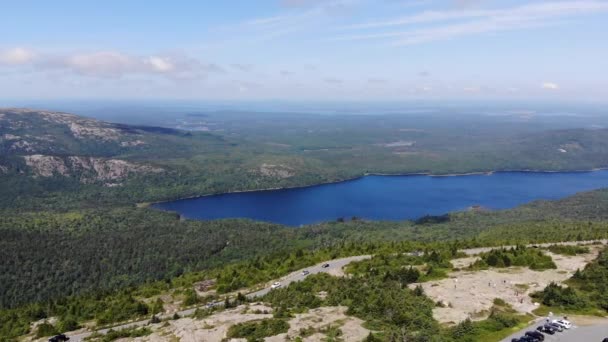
305 49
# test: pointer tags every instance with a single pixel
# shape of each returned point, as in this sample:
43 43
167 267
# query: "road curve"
334 265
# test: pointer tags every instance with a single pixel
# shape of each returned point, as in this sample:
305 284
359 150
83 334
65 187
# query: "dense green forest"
80 251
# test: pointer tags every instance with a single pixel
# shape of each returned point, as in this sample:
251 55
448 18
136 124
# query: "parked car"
525 339
59 338
535 334
605 340
564 323
325 265
305 273
551 328
275 285
547 329
557 326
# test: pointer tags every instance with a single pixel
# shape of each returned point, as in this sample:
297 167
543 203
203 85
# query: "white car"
275 285
563 323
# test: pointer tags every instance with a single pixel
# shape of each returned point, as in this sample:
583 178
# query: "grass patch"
544 310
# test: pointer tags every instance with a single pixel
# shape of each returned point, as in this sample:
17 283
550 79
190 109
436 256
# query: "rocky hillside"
26 131
87 169
47 144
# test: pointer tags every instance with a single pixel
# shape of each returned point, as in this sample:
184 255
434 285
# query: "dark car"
547 329
536 335
605 340
325 265
59 338
525 339
557 327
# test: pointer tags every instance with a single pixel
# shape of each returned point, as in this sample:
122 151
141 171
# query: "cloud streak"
456 23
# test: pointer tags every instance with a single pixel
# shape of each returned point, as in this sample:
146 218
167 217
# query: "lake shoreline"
426 174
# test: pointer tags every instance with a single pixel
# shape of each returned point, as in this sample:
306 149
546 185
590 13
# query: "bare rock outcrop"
276 171
46 166
93 129
89 169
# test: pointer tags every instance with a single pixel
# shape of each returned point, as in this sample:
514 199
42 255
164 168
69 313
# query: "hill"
87 163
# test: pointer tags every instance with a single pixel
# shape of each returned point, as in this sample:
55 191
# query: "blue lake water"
390 198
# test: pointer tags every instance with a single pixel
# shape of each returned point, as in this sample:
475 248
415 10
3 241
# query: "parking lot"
588 333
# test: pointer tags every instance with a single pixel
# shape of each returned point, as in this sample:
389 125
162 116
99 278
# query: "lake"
390 198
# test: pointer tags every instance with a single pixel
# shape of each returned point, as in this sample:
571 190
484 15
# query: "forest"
108 249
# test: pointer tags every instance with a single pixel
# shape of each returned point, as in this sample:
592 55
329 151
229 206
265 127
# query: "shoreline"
426 174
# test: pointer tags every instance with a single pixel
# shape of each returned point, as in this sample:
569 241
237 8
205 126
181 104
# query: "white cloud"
110 64
160 64
103 63
550 86
16 56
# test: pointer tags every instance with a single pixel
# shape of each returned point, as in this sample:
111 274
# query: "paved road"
591 333
334 265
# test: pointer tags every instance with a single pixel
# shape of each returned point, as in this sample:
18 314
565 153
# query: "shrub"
257 330
568 250
46 329
559 296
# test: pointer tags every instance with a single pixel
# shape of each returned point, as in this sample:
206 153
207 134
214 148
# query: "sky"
304 49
